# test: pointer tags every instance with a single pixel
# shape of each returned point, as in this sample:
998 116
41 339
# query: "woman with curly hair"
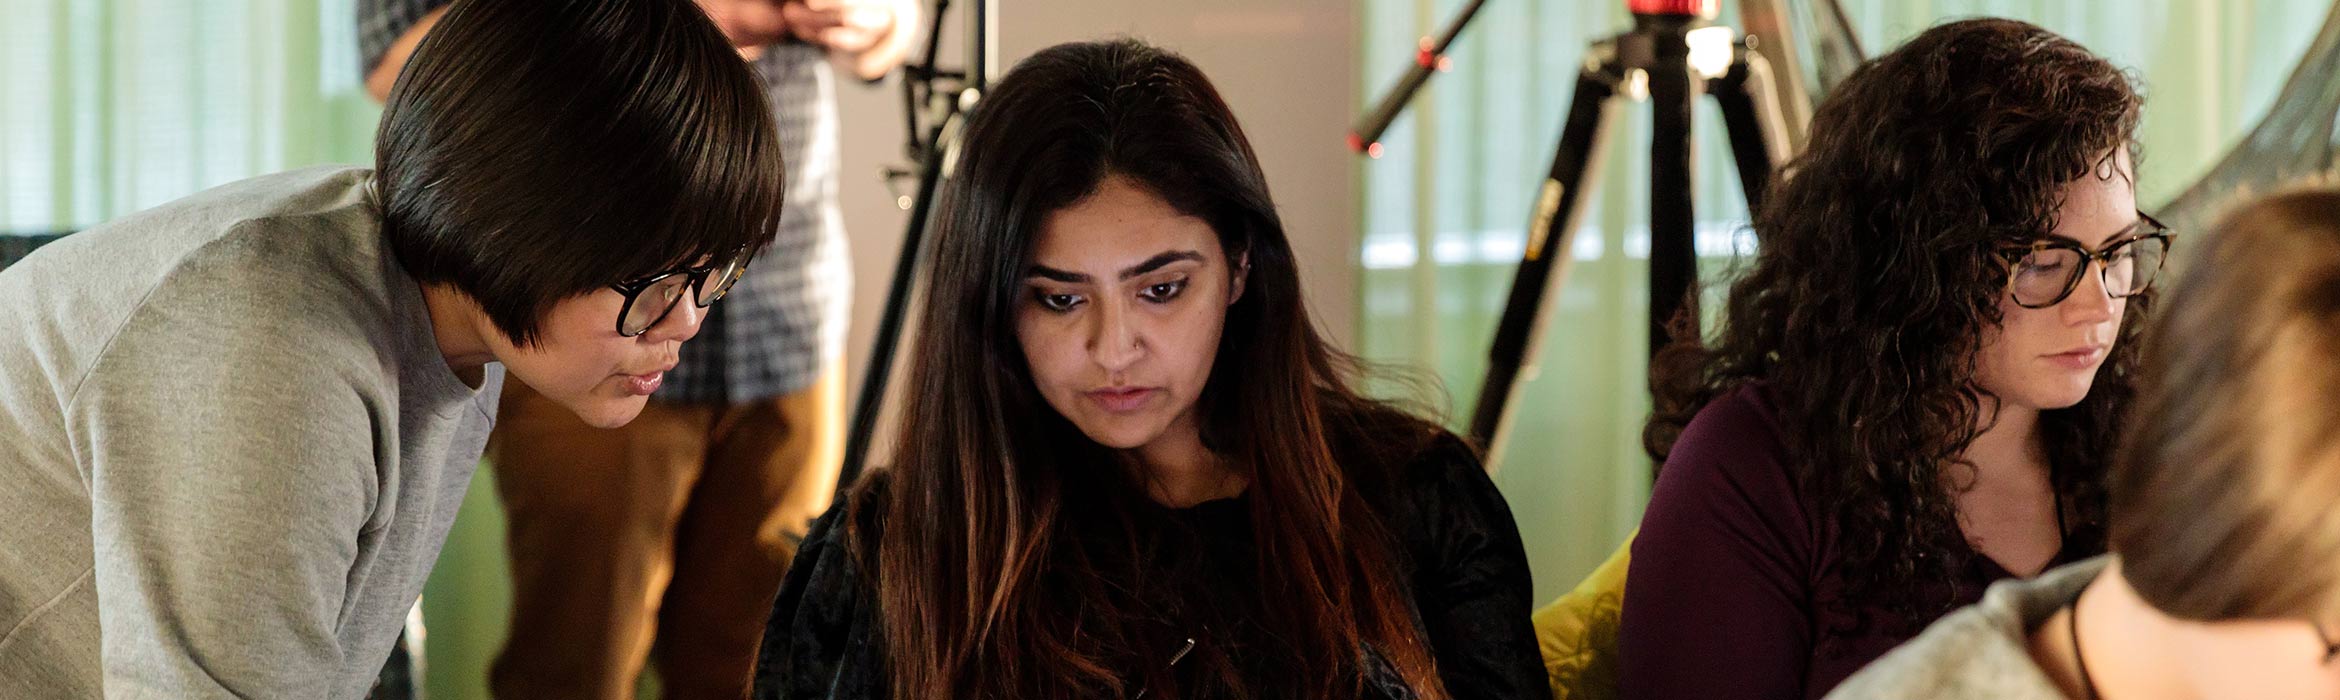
2224 576
1914 391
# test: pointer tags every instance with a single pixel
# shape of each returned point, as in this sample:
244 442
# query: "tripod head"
1430 59
1674 53
935 97
1701 9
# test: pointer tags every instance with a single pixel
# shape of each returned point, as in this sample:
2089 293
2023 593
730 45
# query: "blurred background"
110 106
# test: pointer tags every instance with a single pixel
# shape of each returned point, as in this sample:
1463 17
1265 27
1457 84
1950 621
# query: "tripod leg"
1551 234
1751 114
1673 257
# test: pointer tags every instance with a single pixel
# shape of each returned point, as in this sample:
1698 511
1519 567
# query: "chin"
611 413
2050 398
1119 435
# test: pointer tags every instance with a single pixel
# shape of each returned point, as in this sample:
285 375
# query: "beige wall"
1287 68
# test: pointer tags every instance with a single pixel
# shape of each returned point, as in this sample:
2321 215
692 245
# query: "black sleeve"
1471 577
820 641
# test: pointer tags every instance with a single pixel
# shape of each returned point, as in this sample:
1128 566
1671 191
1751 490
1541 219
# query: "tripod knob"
1702 9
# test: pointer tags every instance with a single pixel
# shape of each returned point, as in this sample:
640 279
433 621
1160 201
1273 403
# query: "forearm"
383 75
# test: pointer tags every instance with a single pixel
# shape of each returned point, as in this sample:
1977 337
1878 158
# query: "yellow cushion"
1578 632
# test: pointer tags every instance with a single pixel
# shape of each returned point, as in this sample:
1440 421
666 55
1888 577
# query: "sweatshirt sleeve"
232 477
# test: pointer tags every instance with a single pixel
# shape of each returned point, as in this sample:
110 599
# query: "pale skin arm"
379 79
867 38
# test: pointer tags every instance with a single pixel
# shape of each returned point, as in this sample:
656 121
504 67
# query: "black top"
1469 581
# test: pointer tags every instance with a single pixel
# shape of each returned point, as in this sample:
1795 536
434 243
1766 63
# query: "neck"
458 325
2009 441
1178 471
2125 642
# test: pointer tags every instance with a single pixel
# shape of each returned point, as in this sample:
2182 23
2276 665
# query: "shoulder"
1966 654
1429 485
1728 493
834 564
822 638
1401 462
160 236
1737 422
304 248
1979 651
1446 465
1733 446
844 539
207 250
275 246
279 279
305 294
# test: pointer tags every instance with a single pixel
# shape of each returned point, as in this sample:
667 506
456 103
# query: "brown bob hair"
2226 503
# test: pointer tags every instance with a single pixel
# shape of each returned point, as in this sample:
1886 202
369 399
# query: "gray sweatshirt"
229 448
1982 651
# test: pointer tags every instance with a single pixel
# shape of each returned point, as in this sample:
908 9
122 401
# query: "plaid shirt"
784 323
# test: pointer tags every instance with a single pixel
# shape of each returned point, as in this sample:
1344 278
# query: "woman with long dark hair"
1128 465
1916 388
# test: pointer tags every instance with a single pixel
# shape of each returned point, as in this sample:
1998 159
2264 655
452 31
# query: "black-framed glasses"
2044 271
650 299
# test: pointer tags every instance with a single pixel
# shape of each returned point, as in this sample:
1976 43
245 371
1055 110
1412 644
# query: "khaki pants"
676 527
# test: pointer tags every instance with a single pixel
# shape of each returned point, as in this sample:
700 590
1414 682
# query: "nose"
1113 338
2089 303
679 325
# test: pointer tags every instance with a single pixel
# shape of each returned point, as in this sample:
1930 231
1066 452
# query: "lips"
1121 399
2078 358
646 383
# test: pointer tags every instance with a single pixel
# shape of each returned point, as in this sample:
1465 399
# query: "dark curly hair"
1878 275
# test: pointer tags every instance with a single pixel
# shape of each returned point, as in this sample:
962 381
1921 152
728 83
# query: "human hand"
843 26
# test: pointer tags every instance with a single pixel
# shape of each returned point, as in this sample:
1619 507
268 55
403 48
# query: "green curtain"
108 107
1446 206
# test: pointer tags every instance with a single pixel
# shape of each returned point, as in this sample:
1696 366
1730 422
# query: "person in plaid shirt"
684 520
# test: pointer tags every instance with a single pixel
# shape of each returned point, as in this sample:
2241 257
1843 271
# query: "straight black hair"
1014 569
537 150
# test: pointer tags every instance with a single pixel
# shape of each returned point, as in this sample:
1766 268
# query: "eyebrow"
1157 262
2143 223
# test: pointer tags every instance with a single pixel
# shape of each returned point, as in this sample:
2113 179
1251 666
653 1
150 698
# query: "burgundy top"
1727 595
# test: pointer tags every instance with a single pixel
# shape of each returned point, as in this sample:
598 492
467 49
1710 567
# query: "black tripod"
1672 55
946 99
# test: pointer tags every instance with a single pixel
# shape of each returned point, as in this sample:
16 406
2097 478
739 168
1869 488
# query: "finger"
870 17
811 20
847 39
